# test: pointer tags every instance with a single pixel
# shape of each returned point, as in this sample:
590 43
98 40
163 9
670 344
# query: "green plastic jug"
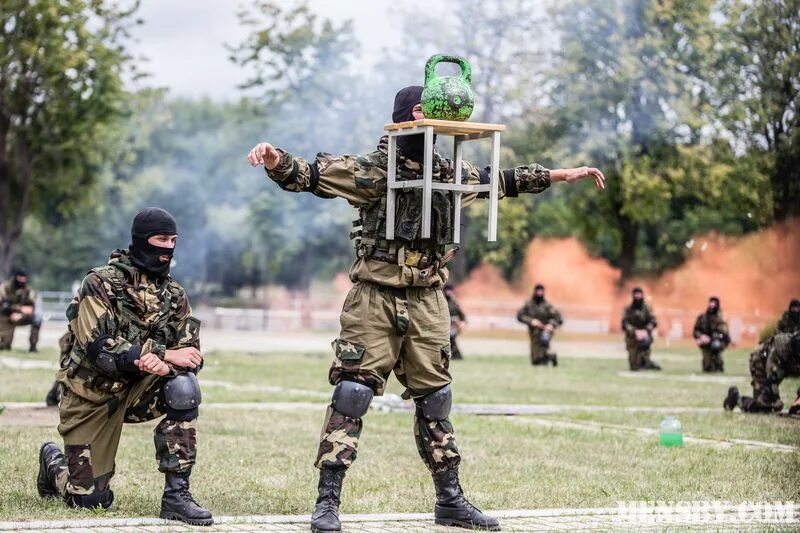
671 432
447 97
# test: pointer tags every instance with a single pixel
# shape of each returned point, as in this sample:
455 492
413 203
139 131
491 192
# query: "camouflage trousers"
455 351
91 426
7 329
385 330
712 361
637 357
539 355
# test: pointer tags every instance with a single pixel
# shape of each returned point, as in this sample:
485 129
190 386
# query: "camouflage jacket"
545 312
787 324
361 180
13 298
641 318
120 313
455 309
710 325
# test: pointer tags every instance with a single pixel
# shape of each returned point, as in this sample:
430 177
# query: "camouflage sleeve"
525 179
183 327
698 327
95 325
555 319
722 329
524 315
627 327
331 176
652 322
30 298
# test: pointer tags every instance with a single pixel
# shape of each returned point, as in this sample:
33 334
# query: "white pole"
494 191
457 151
391 176
427 173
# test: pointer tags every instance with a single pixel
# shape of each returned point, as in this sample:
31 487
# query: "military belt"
94 380
409 258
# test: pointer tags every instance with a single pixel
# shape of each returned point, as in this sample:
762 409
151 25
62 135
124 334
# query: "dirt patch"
29 417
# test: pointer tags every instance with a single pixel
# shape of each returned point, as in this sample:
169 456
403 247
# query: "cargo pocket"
347 359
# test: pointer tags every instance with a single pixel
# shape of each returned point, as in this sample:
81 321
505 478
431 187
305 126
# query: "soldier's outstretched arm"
327 176
95 324
525 179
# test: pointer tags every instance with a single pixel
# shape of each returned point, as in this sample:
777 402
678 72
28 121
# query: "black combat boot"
453 509
32 348
177 502
326 515
53 395
50 459
553 358
732 399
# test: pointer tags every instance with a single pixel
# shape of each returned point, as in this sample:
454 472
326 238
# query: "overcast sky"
183 40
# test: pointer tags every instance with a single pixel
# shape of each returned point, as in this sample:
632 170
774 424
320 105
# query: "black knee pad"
352 398
182 392
436 405
102 499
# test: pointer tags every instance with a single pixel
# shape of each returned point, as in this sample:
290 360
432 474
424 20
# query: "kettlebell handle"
430 67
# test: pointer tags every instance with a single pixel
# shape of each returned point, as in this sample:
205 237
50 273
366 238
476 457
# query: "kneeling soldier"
770 363
711 335
133 357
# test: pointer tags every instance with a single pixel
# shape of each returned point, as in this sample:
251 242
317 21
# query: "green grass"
261 462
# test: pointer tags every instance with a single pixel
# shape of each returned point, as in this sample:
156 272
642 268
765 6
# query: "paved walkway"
723 516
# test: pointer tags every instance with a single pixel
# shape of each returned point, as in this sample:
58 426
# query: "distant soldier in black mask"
542 319
18 308
638 323
711 335
790 321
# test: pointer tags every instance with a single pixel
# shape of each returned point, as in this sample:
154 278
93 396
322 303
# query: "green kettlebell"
447 97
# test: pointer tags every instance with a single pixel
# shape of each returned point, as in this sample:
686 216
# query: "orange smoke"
754 276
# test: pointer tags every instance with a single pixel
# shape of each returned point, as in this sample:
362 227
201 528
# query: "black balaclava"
538 298
145 256
638 297
713 306
411 146
19 273
794 309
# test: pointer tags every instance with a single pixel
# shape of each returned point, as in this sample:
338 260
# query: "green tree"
757 87
61 69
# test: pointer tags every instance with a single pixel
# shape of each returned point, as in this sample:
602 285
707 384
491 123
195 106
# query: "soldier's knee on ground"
182 396
436 405
352 398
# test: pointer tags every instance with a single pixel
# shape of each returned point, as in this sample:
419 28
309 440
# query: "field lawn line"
228 385
666 515
680 377
464 408
649 432
17 363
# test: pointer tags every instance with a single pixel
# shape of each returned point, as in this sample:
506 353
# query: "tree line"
690 108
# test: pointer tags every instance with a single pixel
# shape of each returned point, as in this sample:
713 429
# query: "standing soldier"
770 363
711 335
542 320
18 308
395 317
457 319
790 321
638 323
134 350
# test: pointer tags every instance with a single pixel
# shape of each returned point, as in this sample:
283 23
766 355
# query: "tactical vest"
130 327
408 246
